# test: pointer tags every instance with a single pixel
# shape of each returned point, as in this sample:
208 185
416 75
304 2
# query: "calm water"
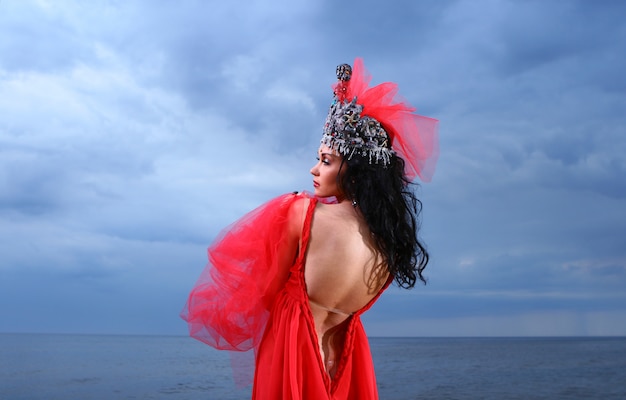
65 367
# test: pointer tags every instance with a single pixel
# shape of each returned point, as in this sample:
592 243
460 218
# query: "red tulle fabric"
229 305
413 137
252 295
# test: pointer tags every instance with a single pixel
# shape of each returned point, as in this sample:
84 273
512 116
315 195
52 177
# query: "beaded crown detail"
374 122
349 132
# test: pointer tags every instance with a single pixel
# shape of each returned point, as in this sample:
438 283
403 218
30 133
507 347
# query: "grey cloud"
35 40
133 132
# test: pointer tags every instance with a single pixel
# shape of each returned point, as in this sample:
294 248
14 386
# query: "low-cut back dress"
244 302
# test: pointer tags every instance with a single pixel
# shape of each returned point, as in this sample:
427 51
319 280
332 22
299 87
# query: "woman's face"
325 173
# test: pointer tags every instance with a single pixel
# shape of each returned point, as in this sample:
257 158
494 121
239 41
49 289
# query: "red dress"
245 301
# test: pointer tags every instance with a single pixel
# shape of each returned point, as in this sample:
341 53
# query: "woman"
291 279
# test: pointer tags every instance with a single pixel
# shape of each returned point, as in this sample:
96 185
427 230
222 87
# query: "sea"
84 367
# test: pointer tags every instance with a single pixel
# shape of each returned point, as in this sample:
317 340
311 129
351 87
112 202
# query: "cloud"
131 133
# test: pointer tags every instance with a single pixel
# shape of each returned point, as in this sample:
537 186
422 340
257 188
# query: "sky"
132 132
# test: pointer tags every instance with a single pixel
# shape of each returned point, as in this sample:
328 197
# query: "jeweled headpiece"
375 123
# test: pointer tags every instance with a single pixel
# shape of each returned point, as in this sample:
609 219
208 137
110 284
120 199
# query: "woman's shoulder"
288 201
296 206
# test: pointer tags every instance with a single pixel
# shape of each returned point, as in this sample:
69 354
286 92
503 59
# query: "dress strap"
305 209
332 310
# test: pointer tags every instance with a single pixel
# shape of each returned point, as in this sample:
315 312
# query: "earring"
354 203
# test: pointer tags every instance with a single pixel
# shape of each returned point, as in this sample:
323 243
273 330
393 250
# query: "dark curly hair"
391 209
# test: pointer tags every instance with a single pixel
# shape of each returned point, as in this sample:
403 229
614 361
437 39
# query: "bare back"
343 271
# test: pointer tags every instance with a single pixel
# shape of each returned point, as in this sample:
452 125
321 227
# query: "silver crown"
348 132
